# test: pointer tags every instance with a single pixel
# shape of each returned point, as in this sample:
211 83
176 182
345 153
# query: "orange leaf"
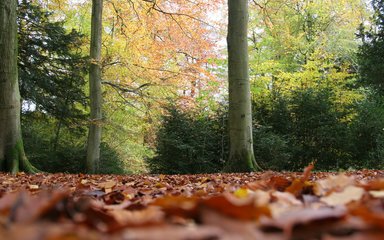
298 185
236 209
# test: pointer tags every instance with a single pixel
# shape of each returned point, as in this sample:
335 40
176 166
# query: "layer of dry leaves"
266 205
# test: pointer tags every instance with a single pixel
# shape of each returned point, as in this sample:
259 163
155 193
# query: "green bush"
368 132
271 150
304 127
289 133
376 155
190 142
319 130
65 153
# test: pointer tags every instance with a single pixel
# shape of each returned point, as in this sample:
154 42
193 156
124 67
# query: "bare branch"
124 88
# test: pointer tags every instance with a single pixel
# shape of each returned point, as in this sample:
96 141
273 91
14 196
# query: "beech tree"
12 155
241 156
94 135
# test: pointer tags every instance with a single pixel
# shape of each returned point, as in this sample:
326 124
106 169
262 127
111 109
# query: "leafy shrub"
190 142
370 54
368 133
289 133
271 150
305 126
319 130
66 152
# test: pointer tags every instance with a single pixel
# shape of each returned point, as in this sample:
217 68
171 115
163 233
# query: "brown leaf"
115 197
236 208
373 216
374 185
288 220
108 185
149 216
178 206
298 185
174 233
233 205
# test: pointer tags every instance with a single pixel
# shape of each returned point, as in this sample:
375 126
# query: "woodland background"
316 77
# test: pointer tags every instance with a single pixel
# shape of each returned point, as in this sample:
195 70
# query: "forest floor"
266 205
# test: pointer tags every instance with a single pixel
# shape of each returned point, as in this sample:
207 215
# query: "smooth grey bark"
94 134
12 155
241 157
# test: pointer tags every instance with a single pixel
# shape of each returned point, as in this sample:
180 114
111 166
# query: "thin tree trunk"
94 134
241 157
58 128
12 155
57 135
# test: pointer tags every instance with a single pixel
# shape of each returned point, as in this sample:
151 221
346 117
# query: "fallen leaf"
349 194
236 208
377 194
178 206
270 206
287 221
261 198
107 185
241 193
149 216
332 183
298 185
33 187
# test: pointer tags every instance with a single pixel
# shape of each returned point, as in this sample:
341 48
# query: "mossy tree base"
243 161
16 160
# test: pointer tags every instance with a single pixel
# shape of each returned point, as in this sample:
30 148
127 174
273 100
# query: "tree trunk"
94 134
241 157
12 155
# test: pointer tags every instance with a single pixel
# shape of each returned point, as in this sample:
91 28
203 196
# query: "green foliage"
111 162
376 156
368 132
303 71
190 142
51 153
52 71
128 133
289 133
64 151
369 125
271 150
300 129
51 67
285 34
319 131
371 52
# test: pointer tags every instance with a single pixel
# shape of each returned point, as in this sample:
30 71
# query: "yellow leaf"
241 193
159 185
84 181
